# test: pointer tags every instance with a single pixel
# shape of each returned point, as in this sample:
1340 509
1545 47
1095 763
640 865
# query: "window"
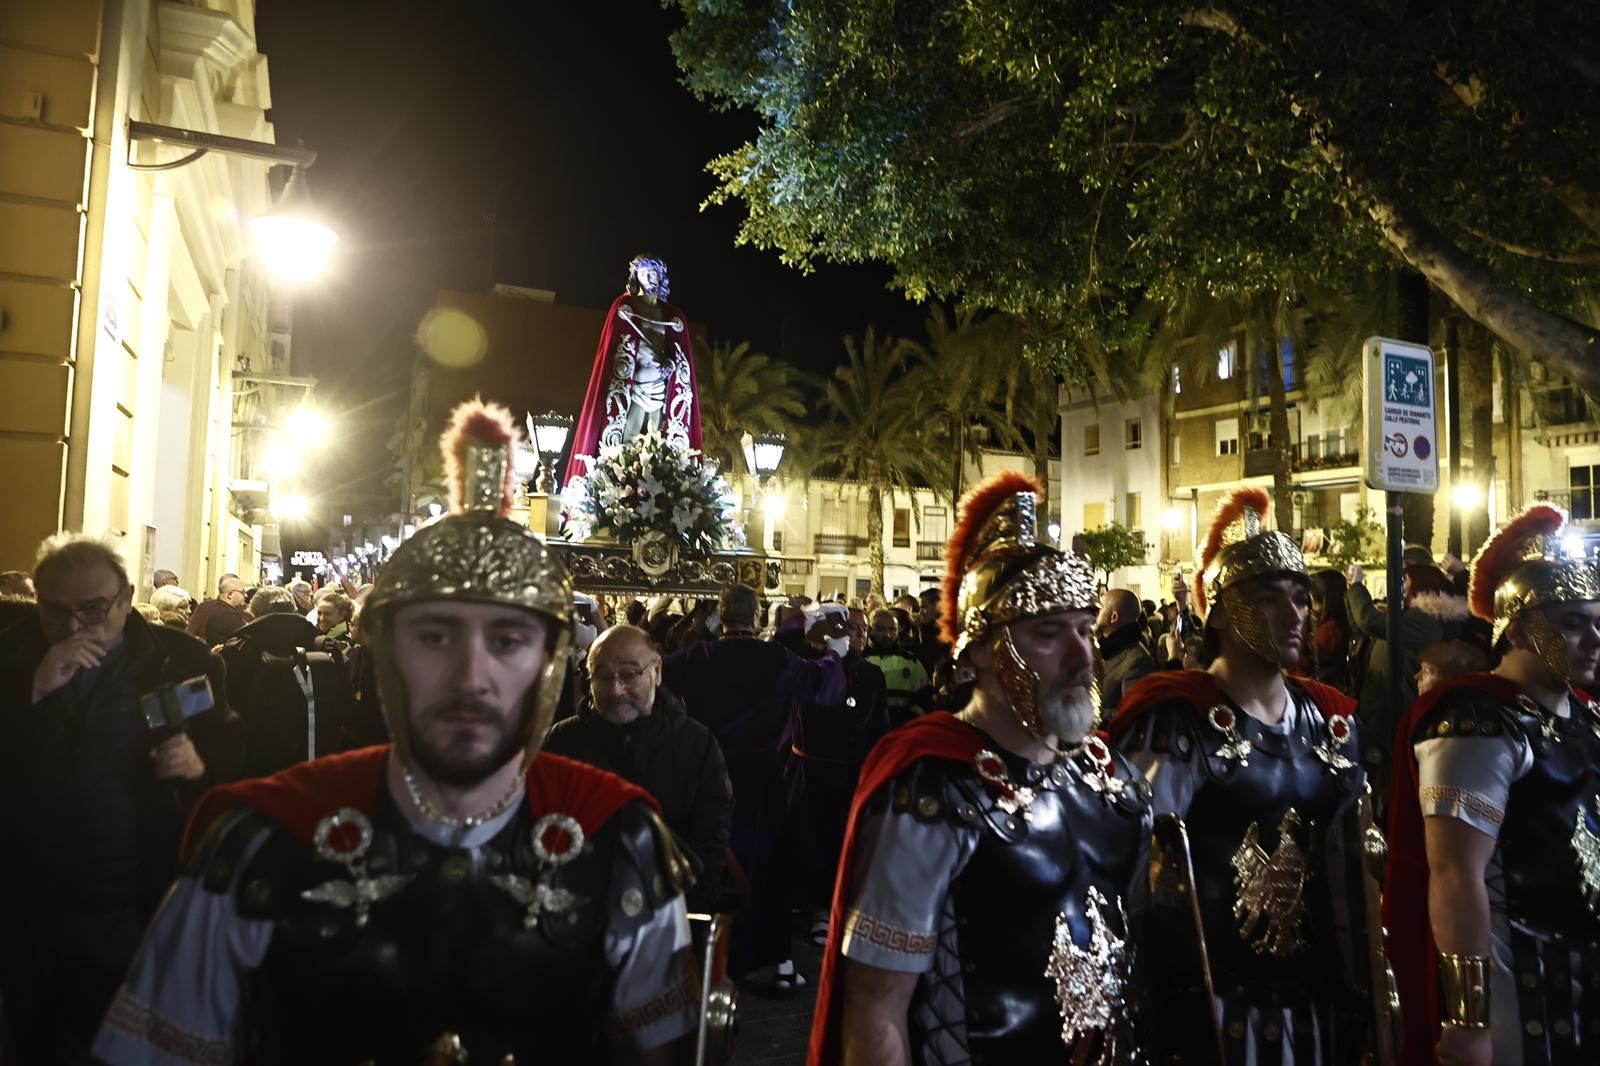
1227 436
1091 439
1135 510
1286 357
1177 381
1133 434
1177 439
777 540
902 527
1227 362
1583 480
833 517
1094 516
935 525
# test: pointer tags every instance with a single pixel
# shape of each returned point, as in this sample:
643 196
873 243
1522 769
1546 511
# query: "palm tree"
875 434
955 375
745 392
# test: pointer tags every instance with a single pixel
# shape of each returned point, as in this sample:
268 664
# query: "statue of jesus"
643 378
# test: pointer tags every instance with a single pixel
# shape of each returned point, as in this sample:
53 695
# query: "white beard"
1068 714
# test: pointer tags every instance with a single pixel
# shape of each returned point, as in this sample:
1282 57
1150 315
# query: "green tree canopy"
745 392
1066 161
1113 547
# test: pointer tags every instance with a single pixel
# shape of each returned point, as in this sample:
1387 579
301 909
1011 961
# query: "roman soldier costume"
320 920
1256 874
1481 750
1006 885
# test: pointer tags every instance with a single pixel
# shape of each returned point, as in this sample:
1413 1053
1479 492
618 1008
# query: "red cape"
301 796
932 736
599 406
1412 952
1200 691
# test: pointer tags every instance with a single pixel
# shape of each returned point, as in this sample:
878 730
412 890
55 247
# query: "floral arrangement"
646 485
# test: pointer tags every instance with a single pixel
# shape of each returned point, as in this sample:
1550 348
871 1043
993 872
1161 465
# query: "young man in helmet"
991 858
1261 768
1493 881
453 894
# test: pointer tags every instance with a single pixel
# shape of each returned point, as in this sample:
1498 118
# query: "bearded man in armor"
456 893
1492 900
1255 776
993 860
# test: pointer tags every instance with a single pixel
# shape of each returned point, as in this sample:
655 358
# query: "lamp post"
763 453
549 433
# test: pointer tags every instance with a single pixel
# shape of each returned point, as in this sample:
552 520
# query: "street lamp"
289 239
306 426
1466 496
293 506
1172 519
549 432
763 453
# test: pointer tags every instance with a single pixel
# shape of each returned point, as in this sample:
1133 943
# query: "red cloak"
605 405
1200 691
300 797
932 736
1412 952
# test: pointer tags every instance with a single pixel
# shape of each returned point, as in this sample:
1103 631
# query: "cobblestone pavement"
774 1032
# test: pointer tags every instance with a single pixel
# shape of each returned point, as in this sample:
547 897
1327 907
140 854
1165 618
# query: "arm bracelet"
1464 990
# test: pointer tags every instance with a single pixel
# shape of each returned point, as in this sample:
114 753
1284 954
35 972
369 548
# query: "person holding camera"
110 730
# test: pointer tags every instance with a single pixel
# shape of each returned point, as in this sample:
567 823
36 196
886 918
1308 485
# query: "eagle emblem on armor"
1090 981
1271 890
1586 849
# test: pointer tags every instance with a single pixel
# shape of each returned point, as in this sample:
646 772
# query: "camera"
168 708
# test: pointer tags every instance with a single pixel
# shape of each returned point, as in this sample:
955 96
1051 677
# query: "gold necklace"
428 811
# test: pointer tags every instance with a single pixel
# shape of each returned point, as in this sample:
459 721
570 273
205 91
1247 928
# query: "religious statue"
643 378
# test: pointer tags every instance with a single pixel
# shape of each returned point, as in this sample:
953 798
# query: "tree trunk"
875 533
1477 374
1282 447
1416 521
959 435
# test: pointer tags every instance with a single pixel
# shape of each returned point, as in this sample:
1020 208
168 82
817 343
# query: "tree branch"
990 118
1582 200
1529 252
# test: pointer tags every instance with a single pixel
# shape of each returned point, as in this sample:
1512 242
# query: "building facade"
131 308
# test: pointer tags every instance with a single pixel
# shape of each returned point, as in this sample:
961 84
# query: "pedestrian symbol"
1407 380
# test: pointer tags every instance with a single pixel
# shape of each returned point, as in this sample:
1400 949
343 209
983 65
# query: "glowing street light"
1466 496
280 462
1172 519
293 507
306 426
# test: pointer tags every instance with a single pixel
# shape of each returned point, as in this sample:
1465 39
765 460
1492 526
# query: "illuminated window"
1091 439
1227 361
1227 436
1133 434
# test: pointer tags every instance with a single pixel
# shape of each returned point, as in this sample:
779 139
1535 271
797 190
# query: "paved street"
773 1032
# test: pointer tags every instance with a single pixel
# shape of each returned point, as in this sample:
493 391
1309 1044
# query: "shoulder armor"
1168 729
654 864
938 790
1467 713
217 859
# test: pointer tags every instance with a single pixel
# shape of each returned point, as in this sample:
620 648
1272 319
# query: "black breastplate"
1257 825
1025 871
449 950
1551 832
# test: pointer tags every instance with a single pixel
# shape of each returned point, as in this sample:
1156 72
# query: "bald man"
632 726
1122 650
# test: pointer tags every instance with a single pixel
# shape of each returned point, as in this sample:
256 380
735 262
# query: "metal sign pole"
1396 571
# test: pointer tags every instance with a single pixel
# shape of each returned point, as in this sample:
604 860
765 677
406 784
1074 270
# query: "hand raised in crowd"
64 659
1171 646
175 759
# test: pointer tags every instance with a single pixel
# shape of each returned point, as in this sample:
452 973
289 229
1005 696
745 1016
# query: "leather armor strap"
1464 990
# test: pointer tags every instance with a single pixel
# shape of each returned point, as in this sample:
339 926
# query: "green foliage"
1114 547
745 392
1071 162
1362 541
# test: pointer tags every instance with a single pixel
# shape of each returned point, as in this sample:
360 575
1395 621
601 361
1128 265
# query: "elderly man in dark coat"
746 690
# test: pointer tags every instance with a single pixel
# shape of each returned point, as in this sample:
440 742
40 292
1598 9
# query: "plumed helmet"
997 572
1238 548
1520 568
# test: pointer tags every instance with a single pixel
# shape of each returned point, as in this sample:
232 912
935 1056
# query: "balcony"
1261 462
837 544
930 551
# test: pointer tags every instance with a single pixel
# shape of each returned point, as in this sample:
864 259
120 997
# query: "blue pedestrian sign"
1400 423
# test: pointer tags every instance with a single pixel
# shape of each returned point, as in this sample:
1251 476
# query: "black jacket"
269 662
93 834
676 760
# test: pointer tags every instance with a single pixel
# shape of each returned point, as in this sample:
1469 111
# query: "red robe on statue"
613 381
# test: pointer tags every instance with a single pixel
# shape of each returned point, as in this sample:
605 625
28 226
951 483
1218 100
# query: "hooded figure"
452 893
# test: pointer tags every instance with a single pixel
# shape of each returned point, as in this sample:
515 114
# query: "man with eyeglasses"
214 621
92 803
638 730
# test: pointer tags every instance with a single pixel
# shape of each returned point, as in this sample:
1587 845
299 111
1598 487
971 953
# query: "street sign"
1401 442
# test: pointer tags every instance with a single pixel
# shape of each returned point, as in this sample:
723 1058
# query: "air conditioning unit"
1300 498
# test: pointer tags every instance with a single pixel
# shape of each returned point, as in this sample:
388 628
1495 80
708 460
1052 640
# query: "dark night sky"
569 123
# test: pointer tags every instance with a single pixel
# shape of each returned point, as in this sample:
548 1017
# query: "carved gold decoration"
1586 849
1541 582
1090 982
478 557
1271 890
1235 748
